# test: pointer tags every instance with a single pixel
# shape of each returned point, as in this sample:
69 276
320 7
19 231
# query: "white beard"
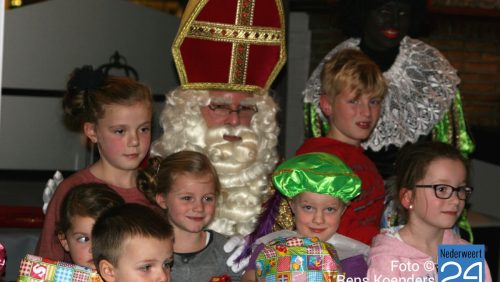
243 182
243 166
231 157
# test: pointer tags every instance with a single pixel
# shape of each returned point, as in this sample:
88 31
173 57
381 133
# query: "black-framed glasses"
241 111
444 191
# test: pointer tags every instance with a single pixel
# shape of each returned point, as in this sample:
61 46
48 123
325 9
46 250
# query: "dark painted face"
386 25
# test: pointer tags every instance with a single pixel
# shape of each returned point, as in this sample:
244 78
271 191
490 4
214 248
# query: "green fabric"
465 143
318 173
464 224
452 128
314 125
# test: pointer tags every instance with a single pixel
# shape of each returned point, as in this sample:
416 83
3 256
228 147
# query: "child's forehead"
445 170
193 181
137 238
204 175
139 111
128 105
139 249
358 90
80 221
317 197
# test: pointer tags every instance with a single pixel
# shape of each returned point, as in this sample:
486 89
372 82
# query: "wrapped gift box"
34 269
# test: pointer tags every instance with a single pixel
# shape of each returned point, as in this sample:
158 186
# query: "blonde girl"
186 186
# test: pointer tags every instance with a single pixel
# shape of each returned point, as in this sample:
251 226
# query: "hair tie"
86 79
157 169
155 164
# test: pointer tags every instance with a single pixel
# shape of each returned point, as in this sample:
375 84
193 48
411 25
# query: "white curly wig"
243 167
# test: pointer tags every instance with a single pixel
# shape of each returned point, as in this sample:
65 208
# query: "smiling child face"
317 215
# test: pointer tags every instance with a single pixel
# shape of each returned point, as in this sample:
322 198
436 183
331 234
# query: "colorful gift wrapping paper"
297 259
35 269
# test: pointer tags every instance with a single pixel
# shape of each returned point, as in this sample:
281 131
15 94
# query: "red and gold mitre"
236 45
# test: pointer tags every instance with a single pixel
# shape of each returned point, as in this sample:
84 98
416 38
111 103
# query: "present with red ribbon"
35 268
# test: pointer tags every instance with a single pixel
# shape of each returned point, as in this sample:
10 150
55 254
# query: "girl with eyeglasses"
430 191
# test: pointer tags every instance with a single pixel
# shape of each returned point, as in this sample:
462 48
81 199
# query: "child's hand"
236 244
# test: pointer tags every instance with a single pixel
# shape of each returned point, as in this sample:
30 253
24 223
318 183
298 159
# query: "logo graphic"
461 263
38 271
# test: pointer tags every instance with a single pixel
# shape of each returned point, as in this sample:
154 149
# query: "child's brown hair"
161 174
88 91
120 223
411 166
86 200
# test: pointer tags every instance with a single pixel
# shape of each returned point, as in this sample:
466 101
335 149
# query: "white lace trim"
422 86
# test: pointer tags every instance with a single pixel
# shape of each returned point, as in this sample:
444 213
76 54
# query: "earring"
410 207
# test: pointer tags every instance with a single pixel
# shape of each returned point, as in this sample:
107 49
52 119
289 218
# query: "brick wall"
471 43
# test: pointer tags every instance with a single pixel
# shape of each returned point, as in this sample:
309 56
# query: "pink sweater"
389 255
48 243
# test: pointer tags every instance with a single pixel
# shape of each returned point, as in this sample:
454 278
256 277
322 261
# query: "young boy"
352 90
132 243
319 188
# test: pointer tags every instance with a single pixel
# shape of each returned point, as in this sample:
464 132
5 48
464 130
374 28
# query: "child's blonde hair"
352 69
